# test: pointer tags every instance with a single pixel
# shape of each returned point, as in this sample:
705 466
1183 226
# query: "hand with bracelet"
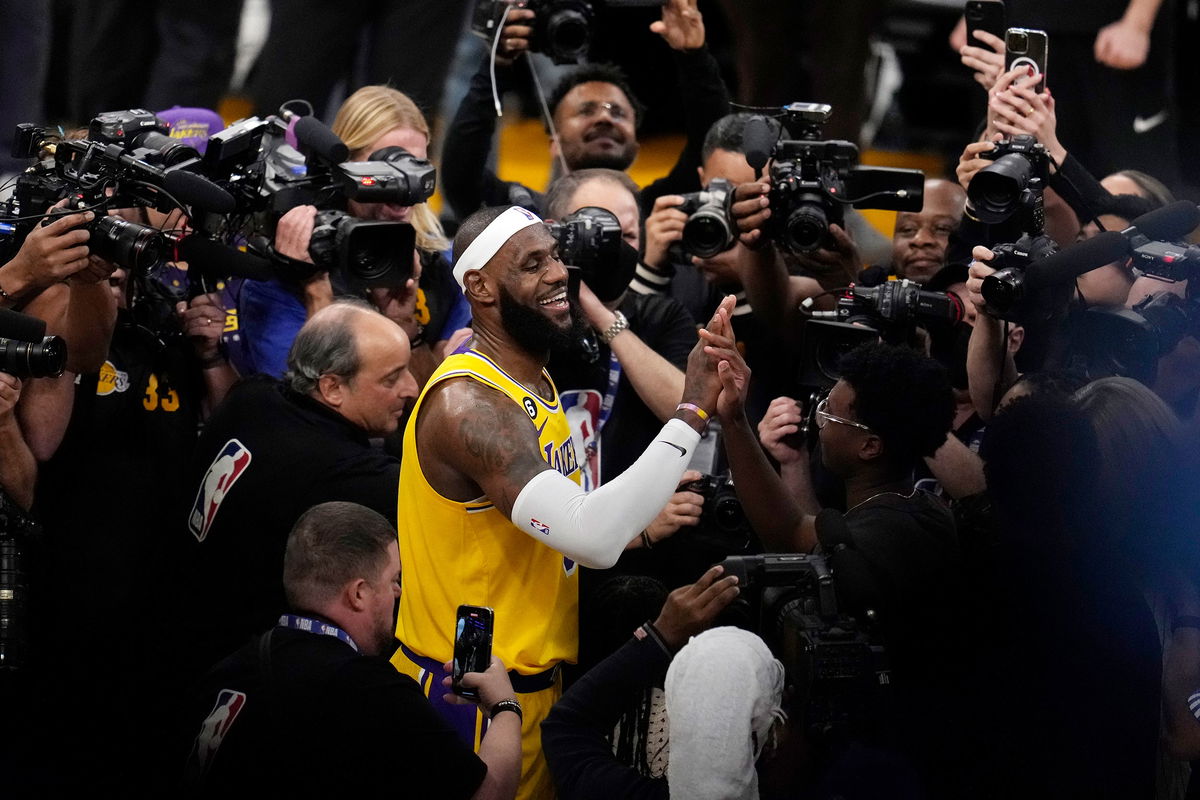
690 610
493 685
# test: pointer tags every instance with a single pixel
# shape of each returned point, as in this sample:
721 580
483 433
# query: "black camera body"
561 28
813 180
591 245
144 134
1004 290
708 231
893 306
1013 184
722 519
369 253
1167 260
1129 341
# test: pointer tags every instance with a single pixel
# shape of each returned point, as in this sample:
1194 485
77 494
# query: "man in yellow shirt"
490 510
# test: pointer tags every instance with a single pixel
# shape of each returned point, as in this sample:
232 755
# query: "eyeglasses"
824 417
591 109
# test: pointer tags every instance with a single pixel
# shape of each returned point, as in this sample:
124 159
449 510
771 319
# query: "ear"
477 286
700 174
555 150
331 387
1016 337
355 594
871 448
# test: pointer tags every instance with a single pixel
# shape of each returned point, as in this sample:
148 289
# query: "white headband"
491 239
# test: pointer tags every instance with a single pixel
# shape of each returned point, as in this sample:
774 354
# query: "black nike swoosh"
682 451
543 426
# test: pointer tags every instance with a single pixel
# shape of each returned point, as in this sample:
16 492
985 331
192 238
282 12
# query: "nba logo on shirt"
216 725
224 471
540 527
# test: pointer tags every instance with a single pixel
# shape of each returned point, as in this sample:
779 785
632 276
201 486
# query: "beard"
533 331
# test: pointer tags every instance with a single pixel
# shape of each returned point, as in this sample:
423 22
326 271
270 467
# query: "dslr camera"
590 243
722 520
562 29
813 180
1014 183
707 231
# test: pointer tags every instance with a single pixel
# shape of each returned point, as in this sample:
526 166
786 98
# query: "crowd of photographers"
949 480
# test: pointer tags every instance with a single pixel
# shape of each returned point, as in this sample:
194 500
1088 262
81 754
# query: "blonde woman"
428 309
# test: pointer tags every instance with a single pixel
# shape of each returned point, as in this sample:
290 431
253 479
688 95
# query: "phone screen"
472 645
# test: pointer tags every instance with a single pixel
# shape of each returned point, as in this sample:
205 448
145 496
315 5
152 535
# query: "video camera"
590 242
1130 341
834 663
813 180
128 160
255 161
562 29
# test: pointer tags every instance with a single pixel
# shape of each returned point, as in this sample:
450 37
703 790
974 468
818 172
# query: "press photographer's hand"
664 227
690 610
515 36
50 253
978 271
294 232
750 211
778 427
682 510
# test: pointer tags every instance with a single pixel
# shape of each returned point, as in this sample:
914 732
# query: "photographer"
429 308
890 408
594 113
649 337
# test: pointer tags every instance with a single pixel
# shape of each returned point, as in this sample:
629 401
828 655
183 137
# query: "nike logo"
682 452
543 426
1144 124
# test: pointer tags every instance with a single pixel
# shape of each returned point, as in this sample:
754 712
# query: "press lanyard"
610 394
310 625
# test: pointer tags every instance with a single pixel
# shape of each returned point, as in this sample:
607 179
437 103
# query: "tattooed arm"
473 441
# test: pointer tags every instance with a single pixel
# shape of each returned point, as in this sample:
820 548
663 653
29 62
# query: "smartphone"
1027 47
985 15
472 645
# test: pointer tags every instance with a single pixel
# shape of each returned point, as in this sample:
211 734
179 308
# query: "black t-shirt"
667 329
315 719
266 456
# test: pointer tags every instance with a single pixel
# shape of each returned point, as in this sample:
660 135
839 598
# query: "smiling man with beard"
594 113
490 509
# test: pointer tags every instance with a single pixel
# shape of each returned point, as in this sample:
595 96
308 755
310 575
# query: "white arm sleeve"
594 528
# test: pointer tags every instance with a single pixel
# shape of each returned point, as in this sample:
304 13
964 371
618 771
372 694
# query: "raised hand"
681 26
690 610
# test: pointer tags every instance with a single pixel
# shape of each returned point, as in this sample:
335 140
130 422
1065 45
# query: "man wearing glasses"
894 550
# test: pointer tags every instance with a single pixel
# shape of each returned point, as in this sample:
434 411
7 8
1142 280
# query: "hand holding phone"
1026 47
472 646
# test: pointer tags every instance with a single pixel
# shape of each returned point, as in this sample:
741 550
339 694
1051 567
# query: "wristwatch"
510 704
619 324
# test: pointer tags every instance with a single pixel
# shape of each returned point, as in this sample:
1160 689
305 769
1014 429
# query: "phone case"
472 644
985 15
1028 47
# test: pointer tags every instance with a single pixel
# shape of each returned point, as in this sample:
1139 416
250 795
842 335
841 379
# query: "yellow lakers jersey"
454 553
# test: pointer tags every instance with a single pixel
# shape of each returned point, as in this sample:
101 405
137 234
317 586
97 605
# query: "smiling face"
532 290
920 240
595 123
411 140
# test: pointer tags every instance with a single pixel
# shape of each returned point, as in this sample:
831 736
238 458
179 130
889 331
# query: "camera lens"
170 151
806 226
44 359
567 34
706 233
996 190
1017 43
127 244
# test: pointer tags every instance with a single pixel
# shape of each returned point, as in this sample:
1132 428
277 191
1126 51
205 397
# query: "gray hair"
325 346
329 546
558 196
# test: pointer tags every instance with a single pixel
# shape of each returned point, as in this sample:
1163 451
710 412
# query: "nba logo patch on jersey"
541 528
226 468
216 725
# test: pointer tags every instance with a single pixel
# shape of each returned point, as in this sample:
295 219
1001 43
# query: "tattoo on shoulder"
499 442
